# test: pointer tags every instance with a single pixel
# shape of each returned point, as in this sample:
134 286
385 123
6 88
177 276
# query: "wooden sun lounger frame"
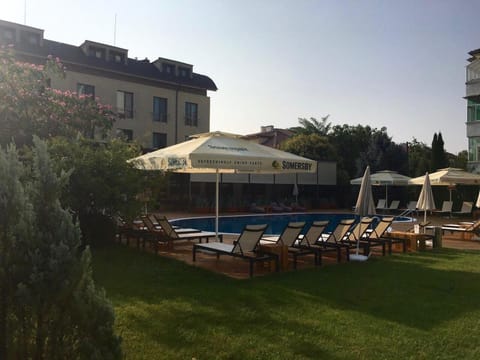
252 256
167 234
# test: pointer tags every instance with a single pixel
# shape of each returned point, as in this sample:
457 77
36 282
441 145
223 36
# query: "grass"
405 306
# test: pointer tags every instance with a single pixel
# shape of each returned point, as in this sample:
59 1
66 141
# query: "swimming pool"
234 224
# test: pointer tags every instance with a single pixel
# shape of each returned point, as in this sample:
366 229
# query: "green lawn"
412 306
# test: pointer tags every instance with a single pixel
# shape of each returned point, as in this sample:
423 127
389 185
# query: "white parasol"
219 152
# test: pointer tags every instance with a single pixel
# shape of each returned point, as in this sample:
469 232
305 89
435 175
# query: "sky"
394 64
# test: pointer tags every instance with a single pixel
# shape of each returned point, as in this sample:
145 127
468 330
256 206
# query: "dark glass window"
159 140
116 57
191 114
159 109
168 68
184 72
125 104
126 134
86 90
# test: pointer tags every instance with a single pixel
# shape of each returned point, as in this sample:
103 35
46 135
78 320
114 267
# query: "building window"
86 90
8 35
159 140
184 72
116 57
125 104
159 109
29 38
191 114
473 111
125 134
97 52
168 68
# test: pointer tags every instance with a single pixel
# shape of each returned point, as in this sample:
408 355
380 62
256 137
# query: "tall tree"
460 161
312 146
439 156
349 142
383 154
50 308
419 158
313 126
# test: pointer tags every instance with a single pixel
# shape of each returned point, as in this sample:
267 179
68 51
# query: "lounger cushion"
216 246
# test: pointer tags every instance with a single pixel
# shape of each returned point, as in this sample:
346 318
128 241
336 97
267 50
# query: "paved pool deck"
238 268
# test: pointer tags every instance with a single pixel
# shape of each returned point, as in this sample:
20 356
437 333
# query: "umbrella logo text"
174 162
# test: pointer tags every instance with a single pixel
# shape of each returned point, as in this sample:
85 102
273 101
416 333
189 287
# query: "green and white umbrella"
219 152
384 178
449 177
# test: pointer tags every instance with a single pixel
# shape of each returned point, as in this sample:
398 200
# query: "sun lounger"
314 233
356 233
466 209
256 209
393 206
333 239
411 208
446 208
312 240
284 207
274 207
244 247
376 236
129 230
289 238
382 204
168 234
154 219
298 207
464 230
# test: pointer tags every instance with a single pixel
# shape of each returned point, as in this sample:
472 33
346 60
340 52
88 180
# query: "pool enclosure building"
315 190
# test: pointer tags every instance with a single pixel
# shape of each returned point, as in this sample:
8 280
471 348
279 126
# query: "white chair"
446 208
382 204
466 209
394 205
411 208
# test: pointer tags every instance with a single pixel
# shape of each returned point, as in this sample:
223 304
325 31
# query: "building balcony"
473 129
473 88
473 167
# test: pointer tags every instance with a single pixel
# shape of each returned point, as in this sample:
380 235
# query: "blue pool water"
276 222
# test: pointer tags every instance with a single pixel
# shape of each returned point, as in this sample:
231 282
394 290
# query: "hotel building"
158 103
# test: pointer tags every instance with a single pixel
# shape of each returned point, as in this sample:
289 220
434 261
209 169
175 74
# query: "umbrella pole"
450 191
216 203
424 219
386 195
358 237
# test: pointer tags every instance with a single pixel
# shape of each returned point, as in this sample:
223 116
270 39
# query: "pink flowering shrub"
28 105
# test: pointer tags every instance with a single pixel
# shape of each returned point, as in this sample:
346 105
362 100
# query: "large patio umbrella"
363 207
384 178
425 200
219 152
448 177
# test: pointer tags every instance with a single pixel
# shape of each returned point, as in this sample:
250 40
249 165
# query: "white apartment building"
473 110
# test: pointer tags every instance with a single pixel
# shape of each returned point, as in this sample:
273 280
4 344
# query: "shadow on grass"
309 313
